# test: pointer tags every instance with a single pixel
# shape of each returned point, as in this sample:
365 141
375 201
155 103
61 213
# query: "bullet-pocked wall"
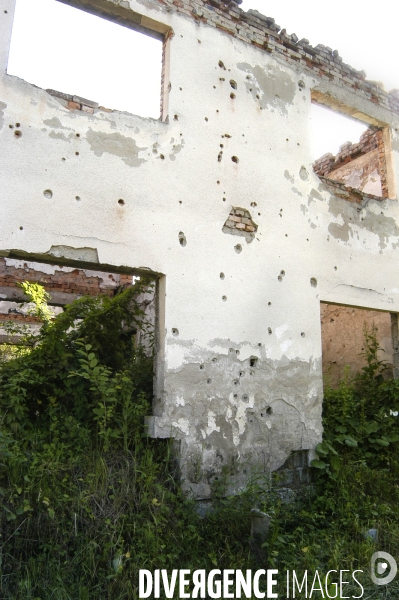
221 201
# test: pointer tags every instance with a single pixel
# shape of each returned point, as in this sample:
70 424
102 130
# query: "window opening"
59 47
349 152
342 333
64 284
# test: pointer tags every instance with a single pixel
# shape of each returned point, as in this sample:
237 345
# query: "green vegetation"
87 499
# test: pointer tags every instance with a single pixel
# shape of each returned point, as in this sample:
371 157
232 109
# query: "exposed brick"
73 105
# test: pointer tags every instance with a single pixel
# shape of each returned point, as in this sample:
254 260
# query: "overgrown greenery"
88 499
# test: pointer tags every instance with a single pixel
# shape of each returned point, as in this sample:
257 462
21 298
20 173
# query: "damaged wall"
342 330
64 284
361 166
239 365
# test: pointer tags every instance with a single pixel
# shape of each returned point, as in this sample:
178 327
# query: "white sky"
49 38
59 47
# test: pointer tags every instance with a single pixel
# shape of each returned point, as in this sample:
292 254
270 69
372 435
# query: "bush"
88 499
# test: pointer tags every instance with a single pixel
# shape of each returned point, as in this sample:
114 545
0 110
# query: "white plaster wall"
315 233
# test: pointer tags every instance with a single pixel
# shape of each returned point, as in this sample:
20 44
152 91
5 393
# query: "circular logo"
381 567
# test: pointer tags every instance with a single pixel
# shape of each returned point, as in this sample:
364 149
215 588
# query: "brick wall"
258 30
370 140
61 279
64 284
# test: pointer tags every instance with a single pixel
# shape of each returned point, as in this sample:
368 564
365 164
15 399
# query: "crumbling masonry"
218 200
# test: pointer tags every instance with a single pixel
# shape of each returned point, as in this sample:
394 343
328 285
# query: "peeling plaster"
116 144
365 219
252 411
56 123
3 106
274 86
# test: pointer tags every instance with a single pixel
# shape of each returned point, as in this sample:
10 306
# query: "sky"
49 38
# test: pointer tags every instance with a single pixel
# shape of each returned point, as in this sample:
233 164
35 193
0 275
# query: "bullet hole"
77 153
282 273
267 411
121 202
221 65
77 198
245 398
221 275
161 156
241 373
21 228
11 126
175 331
258 97
218 182
253 204
175 118
199 41
214 87
303 334
287 140
253 361
235 396
48 194
17 124
209 381
269 304
313 282
221 145
232 95
260 344
301 84
298 144
63 158
78 135
269 330
236 382
18 133
217 110
220 155
182 239
6 11
238 248
202 367
222 79
233 84
180 89
286 235
335 268
214 360
280 278
206 119
234 159
180 201
224 199
224 298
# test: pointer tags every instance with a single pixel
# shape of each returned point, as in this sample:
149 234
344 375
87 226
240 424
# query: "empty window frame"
349 151
86 52
343 341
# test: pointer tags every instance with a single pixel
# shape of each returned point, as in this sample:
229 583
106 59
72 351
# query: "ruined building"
218 200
